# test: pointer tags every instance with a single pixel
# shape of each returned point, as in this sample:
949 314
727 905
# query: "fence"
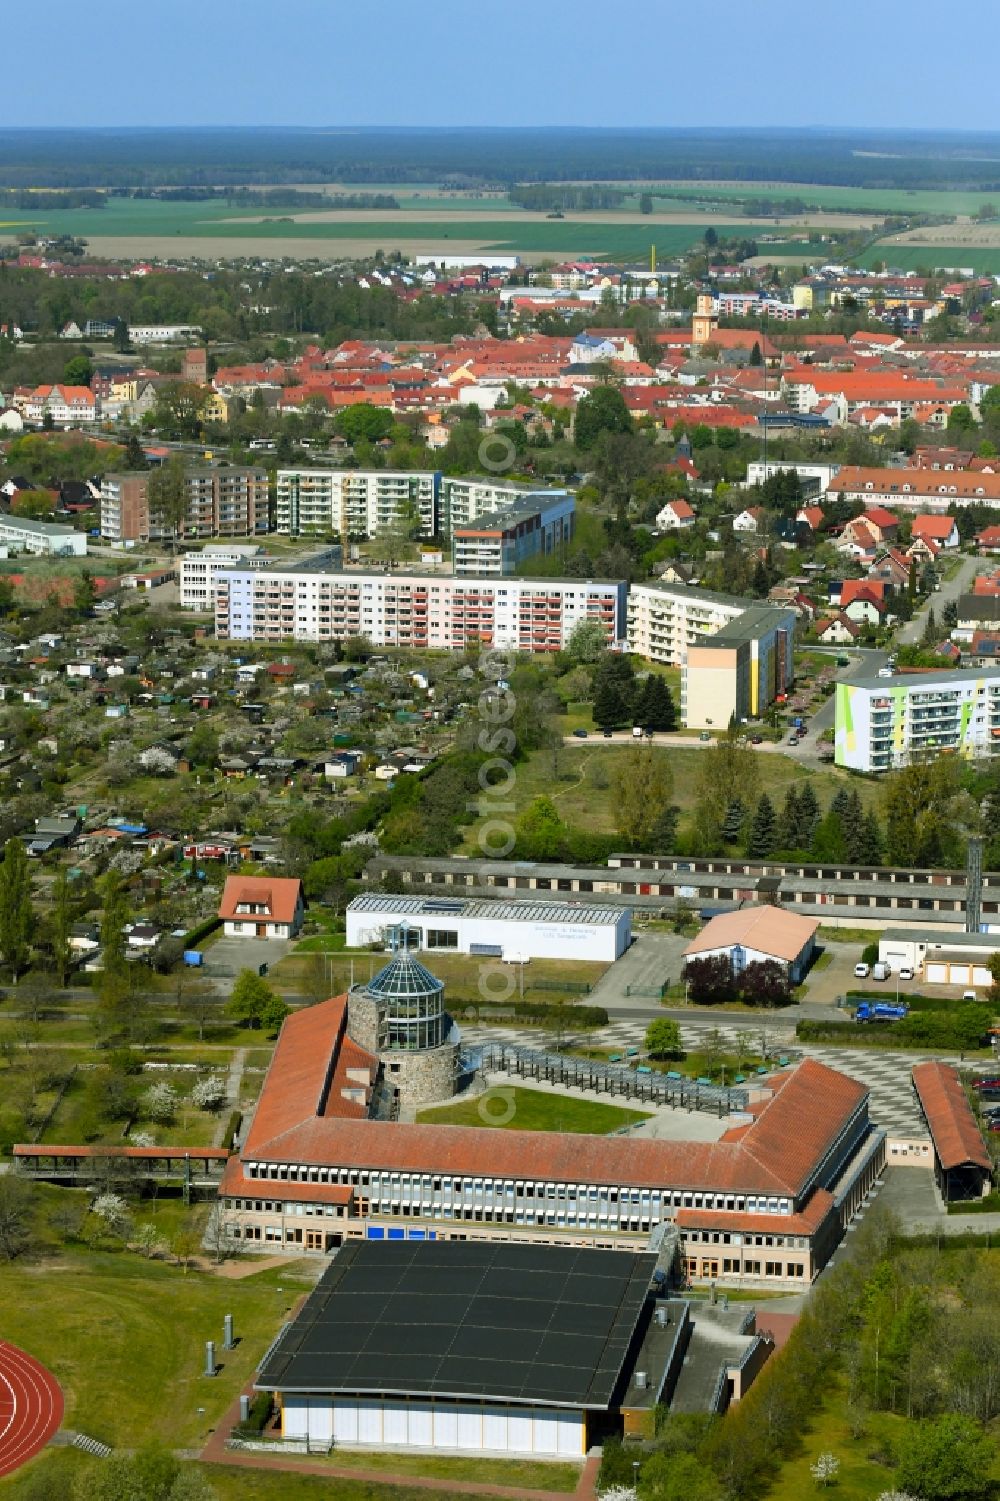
604 1078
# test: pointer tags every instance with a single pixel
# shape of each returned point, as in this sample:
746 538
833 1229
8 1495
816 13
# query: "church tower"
704 323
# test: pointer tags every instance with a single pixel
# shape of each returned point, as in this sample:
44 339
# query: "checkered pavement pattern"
892 1103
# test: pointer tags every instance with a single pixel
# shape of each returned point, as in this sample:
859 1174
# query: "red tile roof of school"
957 1139
805 1223
301 1118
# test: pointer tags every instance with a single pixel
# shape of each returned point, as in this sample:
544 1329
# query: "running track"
31 1407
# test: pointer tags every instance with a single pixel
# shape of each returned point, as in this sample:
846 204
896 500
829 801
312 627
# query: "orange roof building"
326 1159
754 935
261 907
961 1162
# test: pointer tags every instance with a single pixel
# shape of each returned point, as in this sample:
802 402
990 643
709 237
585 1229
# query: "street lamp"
635 1472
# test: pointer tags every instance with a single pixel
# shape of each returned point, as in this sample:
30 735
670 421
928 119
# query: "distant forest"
474 158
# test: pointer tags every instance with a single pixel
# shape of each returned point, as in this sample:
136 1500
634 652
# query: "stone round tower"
400 1015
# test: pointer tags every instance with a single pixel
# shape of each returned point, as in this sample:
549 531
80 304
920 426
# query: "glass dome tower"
410 1003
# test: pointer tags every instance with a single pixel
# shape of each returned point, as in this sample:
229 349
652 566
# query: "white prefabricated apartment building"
416 610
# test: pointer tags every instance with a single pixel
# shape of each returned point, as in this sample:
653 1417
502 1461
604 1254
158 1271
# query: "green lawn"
532 1475
533 1110
860 1479
57 1469
461 974
125 1337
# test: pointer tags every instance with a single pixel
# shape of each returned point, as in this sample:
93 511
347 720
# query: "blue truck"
881 1011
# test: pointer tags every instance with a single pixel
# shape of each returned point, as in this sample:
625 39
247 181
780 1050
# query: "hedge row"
955 1031
195 936
531 1014
232 1127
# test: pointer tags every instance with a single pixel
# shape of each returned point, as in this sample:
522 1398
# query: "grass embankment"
53 1475
861 1478
533 1110
125 1338
584 792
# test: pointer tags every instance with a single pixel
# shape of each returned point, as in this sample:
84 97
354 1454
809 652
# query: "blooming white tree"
113 1210
209 1094
826 1469
161 1101
898 1496
142 1139
159 762
620 1493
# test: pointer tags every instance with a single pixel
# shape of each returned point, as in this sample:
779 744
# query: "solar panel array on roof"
521 1323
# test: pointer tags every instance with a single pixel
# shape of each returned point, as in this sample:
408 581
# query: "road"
959 583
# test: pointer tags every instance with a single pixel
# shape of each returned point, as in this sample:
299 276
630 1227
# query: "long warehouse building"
842 895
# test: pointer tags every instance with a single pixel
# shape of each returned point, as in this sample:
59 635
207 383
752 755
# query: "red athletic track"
31 1407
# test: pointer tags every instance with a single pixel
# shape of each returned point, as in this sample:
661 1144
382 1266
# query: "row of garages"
941 958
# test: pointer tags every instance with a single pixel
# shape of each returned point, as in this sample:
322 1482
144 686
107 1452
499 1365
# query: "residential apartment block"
416 610
882 723
664 620
222 503
916 489
736 656
737 672
465 499
498 544
354 502
199 571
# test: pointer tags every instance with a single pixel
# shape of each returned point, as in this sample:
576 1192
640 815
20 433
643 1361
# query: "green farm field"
984 260
175 227
876 201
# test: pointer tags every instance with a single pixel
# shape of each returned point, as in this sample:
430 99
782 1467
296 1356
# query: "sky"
455 62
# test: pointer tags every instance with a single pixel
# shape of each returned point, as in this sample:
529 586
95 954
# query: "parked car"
906 973
861 971
969 995
580 734
705 735
756 740
793 739
607 734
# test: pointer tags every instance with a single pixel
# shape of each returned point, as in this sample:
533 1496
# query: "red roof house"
261 907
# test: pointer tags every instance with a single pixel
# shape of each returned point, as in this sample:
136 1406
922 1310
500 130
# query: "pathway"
233 1085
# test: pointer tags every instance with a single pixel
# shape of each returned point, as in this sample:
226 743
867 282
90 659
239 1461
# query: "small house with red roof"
988 540
750 520
261 907
675 516
837 630
943 530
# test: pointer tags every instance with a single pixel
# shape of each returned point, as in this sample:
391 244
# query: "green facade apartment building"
883 723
